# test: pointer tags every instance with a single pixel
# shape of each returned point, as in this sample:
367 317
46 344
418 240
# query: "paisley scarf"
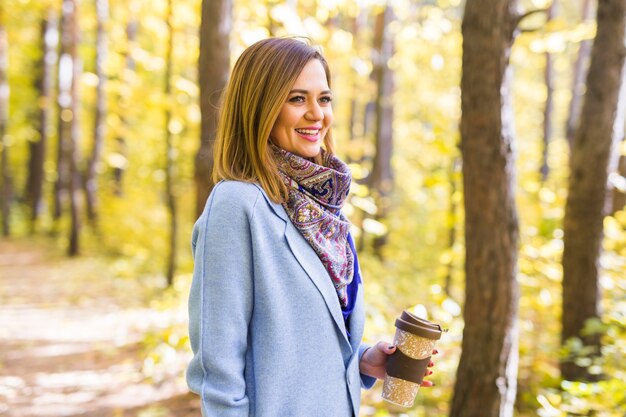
316 194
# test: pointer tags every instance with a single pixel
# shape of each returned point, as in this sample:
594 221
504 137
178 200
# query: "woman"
276 304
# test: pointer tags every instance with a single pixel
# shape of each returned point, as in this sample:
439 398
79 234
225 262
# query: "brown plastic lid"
420 327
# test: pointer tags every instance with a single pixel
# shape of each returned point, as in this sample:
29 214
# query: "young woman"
276 305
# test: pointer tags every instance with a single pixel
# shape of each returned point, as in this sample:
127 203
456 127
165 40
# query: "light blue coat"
265 322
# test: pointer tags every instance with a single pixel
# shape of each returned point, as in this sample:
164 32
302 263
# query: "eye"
326 99
297 99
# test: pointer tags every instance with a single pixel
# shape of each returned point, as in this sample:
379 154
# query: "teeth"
309 132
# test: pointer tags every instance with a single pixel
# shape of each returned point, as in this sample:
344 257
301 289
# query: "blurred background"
105 128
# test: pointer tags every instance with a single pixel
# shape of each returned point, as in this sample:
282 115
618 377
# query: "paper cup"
415 340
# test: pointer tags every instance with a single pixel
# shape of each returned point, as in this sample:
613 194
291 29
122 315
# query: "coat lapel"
308 259
317 273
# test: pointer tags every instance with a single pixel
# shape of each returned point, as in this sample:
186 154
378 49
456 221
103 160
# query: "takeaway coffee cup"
415 340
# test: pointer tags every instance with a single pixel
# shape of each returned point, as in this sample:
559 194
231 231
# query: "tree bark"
619 194
169 151
213 69
487 372
64 82
381 179
578 84
593 157
91 176
7 181
69 128
131 34
451 221
44 84
547 112
271 23
356 23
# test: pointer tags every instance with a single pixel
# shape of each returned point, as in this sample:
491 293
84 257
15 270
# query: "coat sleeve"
367 381
220 303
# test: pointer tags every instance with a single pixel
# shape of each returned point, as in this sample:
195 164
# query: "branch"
517 19
530 30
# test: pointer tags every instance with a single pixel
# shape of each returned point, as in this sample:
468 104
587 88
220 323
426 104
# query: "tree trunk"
91 177
131 34
356 122
593 157
369 115
213 69
381 180
578 84
356 23
69 128
547 112
44 84
65 75
451 221
169 151
271 23
487 372
619 194
7 182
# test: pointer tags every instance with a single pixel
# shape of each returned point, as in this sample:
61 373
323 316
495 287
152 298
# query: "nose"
314 112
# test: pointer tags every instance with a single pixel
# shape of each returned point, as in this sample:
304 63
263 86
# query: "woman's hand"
375 358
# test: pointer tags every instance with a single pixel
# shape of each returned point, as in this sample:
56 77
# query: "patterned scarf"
316 196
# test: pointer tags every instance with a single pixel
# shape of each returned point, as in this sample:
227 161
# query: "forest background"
101 117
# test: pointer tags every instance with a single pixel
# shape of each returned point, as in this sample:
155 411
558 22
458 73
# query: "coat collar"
308 259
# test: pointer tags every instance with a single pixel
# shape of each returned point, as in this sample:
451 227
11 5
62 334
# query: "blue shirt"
353 286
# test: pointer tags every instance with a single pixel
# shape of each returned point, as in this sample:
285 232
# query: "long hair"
258 87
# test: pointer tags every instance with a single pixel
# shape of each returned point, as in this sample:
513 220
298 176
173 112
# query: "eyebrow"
307 91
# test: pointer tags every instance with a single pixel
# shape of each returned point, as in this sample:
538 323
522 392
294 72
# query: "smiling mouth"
308 132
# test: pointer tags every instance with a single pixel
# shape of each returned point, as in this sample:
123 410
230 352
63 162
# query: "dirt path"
71 341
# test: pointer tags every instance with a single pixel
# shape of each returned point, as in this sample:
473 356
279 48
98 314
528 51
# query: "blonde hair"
258 87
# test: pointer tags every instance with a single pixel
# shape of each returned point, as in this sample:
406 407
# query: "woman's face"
307 114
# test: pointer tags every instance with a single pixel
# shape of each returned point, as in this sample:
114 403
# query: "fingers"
374 359
386 348
428 372
431 363
377 355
